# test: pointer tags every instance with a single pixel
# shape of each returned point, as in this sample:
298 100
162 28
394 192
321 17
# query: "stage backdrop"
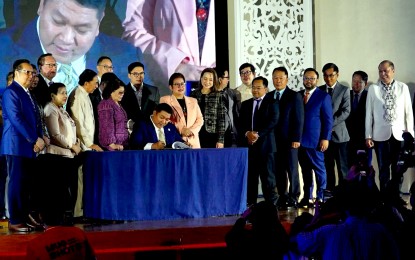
269 34
170 35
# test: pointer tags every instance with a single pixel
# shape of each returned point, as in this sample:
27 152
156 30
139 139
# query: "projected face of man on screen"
67 28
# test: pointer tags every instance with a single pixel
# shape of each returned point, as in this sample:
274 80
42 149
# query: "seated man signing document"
156 132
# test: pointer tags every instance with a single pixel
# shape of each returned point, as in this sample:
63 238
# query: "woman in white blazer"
187 116
59 178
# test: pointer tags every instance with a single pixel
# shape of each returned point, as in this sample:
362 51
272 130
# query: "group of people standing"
320 128
316 128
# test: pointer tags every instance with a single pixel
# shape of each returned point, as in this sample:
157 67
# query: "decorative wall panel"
276 33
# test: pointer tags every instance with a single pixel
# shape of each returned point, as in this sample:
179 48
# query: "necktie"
277 96
67 70
161 136
70 80
355 101
306 97
255 114
330 91
31 100
50 83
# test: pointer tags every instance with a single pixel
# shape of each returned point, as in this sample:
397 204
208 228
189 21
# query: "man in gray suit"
340 101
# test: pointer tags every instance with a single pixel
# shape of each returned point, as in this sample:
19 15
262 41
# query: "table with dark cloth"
168 184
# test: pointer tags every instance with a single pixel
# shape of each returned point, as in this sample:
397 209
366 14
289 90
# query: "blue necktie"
277 96
255 115
355 102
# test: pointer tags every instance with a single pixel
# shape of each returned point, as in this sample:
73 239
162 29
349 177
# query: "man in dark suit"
340 101
139 99
47 71
155 132
318 125
356 121
288 136
74 40
258 118
22 140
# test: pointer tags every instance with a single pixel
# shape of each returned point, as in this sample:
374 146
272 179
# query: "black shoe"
35 221
282 204
68 218
20 228
327 194
305 203
291 203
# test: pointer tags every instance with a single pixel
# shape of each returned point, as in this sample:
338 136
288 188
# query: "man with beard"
318 124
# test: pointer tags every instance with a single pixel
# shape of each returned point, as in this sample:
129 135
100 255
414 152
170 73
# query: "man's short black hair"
283 69
41 59
103 58
264 81
362 74
311 69
245 65
99 5
330 65
163 107
134 65
17 64
86 76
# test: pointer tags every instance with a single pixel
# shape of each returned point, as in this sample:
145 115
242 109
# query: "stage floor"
128 240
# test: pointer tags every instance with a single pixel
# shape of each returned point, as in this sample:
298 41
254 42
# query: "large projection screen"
163 34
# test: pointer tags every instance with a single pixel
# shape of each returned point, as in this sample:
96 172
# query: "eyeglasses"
309 79
51 65
245 73
136 74
330 76
27 72
258 88
107 67
179 84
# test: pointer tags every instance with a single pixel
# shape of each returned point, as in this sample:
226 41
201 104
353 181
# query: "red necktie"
306 97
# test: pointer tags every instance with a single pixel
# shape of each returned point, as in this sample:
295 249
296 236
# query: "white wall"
358 35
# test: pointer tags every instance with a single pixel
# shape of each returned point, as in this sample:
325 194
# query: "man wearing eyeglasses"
340 101
247 73
318 123
104 65
47 71
22 140
356 121
139 99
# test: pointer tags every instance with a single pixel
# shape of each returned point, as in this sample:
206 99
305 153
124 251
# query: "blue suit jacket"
22 124
144 133
19 44
318 119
